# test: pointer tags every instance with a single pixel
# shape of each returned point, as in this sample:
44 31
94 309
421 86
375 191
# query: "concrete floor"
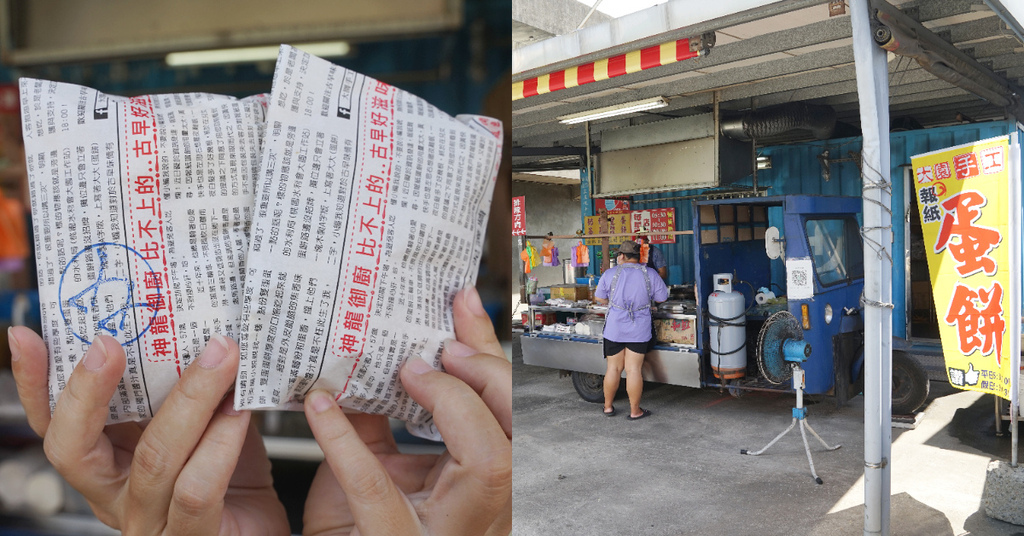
680 472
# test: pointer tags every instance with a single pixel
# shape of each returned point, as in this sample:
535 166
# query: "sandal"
645 413
611 413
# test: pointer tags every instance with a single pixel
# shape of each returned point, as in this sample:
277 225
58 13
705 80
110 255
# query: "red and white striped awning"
630 62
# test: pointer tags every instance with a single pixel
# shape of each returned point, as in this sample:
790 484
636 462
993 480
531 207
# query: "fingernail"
215 352
320 400
228 406
96 356
457 349
471 298
417 365
15 344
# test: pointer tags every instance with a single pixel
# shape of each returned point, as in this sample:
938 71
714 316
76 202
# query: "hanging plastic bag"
553 260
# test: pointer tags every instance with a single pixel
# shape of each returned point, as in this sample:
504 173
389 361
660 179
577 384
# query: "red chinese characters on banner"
978 317
968 244
977 314
991 160
924 174
965 165
366 234
519 216
146 233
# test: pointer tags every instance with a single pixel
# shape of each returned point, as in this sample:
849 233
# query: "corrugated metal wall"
797 169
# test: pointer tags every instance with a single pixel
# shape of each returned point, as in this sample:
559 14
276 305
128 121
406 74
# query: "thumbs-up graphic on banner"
971 377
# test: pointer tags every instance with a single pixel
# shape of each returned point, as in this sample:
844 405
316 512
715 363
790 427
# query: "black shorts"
611 347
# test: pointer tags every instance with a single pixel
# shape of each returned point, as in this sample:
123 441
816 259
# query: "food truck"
756 256
775 248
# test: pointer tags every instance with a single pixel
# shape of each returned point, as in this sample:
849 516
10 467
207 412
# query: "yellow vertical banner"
968 206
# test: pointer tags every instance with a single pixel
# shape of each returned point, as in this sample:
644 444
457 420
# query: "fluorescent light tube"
253 54
618 109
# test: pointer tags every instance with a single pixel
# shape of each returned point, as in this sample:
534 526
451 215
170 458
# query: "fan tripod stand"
799 414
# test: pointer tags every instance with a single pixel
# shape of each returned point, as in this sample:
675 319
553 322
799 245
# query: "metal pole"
1015 289
589 13
1013 436
523 297
590 165
587 199
873 94
715 111
753 150
999 416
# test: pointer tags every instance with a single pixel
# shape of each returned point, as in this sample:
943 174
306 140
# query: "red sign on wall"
519 216
656 219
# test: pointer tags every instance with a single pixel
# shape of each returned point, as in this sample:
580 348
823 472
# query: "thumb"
970 367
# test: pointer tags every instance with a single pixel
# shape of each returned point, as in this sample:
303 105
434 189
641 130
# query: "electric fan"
780 350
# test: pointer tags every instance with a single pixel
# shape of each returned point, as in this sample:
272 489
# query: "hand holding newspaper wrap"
370 218
368 209
141 210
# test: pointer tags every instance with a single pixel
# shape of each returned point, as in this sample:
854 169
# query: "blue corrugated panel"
796 169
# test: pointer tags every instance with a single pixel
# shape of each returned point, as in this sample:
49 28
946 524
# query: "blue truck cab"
807 250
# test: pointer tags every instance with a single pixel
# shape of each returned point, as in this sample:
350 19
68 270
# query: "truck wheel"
589 386
909 384
734 390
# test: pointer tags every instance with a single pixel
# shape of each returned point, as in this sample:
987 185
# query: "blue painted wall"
796 169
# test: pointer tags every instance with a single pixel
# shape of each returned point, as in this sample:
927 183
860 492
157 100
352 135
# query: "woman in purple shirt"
628 290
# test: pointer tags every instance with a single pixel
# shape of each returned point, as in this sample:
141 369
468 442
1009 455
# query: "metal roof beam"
943 117
845 93
954 99
976 109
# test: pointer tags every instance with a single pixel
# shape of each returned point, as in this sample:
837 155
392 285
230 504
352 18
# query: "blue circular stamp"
97 293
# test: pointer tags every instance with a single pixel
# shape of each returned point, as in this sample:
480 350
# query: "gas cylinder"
727 321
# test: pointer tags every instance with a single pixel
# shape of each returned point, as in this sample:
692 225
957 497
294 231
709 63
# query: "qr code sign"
800 277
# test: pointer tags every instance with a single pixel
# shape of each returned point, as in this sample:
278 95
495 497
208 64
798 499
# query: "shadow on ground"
908 515
974 426
979 524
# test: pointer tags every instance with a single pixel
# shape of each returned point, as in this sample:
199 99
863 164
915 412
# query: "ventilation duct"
819 120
